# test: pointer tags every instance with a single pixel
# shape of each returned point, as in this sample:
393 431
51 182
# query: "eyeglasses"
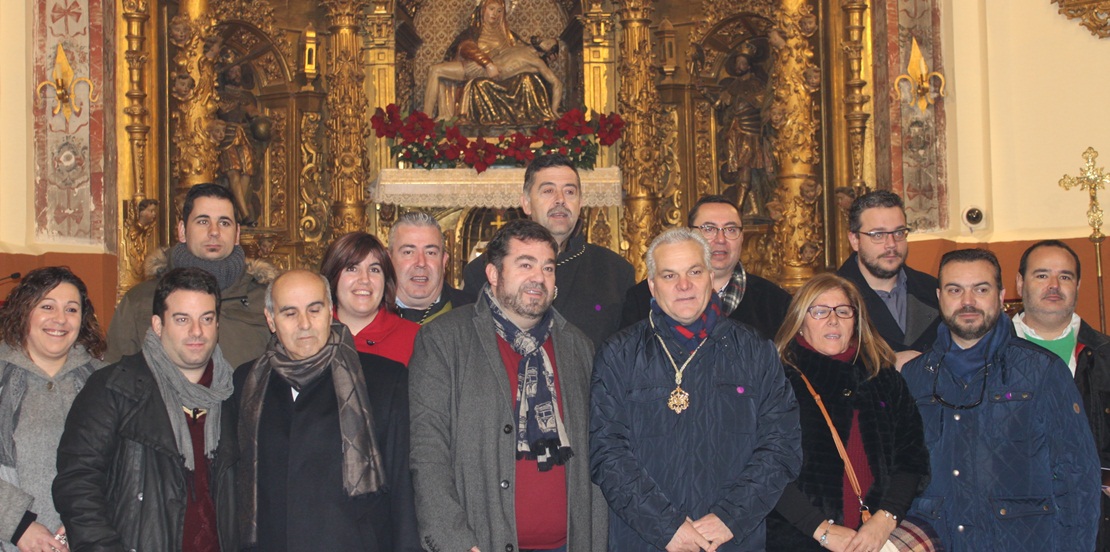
821 312
710 231
982 392
879 236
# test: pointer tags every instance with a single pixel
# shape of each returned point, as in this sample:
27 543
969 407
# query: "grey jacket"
463 461
41 415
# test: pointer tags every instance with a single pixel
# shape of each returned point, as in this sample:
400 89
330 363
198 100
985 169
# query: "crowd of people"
553 404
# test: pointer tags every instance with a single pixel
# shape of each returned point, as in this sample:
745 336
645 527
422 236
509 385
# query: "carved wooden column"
640 157
346 116
796 80
132 143
193 84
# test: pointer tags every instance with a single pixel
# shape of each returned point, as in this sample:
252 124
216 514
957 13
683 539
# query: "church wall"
24 243
1027 87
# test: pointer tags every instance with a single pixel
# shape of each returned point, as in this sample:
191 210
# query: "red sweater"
388 335
199 534
540 497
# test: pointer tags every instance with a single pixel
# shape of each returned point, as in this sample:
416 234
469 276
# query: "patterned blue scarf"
540 434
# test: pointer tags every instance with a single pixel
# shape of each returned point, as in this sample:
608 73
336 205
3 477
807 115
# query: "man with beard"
1048 281
500 402
417 250
323 434
694 429
593 280
900 300
1012 460
147 458
745 297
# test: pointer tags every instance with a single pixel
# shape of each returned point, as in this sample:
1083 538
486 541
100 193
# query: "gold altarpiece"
308 74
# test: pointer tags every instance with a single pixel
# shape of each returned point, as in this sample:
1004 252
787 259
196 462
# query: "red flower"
609 129
545 135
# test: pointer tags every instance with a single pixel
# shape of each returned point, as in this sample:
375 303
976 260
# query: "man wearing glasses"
900 300
745 297
1013 464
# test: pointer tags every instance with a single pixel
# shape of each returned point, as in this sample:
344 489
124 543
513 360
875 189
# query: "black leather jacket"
121 482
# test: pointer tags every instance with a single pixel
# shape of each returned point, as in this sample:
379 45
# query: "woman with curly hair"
50 342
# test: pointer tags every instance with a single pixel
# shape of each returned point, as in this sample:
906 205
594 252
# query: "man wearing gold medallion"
694 430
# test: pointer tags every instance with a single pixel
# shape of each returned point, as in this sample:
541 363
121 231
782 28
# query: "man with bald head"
324 429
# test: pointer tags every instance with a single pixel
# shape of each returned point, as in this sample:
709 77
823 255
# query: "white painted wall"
1028 93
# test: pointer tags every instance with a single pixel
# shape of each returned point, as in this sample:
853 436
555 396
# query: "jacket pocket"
738 409
1021 518
647 411
1010 418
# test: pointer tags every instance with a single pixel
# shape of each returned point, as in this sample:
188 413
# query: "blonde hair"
871 348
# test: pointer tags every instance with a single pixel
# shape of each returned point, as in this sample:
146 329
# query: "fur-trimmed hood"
158 262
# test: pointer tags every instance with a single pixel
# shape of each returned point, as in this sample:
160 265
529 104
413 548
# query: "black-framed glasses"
982 392
879 236
710 231
821 312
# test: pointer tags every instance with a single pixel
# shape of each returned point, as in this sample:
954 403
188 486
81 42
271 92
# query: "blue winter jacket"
1019 470
731 453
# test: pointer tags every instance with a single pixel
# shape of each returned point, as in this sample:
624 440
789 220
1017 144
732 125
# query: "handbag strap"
848 469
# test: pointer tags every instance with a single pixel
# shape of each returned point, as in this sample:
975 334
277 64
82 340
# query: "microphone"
13 276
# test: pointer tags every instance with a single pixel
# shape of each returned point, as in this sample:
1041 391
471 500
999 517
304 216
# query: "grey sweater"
42 415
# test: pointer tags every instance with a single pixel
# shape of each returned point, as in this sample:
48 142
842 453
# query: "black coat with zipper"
121 481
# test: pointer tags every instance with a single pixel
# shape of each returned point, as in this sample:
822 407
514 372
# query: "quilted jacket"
730 453
1092 377
1019 470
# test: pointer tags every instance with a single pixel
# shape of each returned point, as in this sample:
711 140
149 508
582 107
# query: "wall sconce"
65 86
920 79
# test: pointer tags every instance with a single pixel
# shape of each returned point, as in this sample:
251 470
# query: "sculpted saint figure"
499 74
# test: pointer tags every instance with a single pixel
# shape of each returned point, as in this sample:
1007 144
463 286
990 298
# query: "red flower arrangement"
422 142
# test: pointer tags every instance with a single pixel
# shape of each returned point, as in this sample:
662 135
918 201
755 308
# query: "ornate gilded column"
132 143
346 116
796 80
193 84
640 158
381 87
598 65
856 99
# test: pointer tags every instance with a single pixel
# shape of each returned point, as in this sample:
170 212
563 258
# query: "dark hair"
970 256
351 249
713 198
1024 264
204 190
15 315
872 200
184 279
546 162
525 230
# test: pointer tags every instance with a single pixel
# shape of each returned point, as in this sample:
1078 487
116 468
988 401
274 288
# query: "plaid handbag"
914 534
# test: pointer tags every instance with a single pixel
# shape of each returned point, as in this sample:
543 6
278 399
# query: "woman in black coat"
828 337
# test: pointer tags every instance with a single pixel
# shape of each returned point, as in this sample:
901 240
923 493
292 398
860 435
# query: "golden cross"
498 223
1092 179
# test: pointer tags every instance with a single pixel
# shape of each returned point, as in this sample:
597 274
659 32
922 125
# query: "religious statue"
491 76
140 228
743 147
240 132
